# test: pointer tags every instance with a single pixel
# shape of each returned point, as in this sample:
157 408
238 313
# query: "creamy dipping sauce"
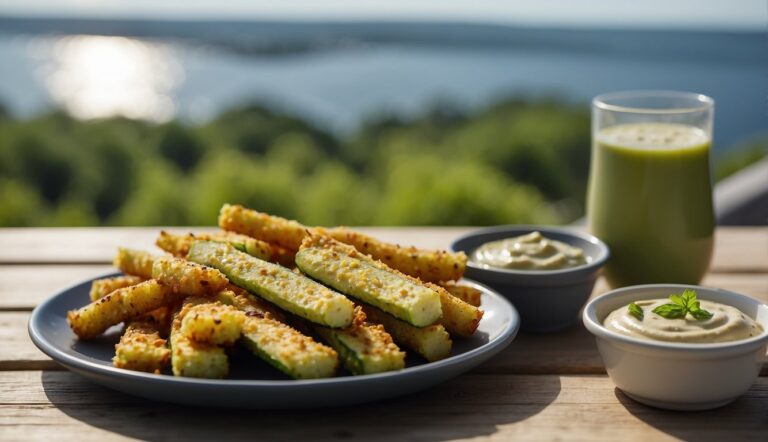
528 252
726 324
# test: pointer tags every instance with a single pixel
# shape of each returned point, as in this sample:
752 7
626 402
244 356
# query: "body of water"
339 74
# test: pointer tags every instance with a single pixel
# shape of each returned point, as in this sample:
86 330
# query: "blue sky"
708 14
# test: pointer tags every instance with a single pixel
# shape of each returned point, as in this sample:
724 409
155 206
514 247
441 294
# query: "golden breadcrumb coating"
187 277
134 262
290 291
431 342
105 286
272 229
364 348
459 317
427 265
193 359
141 348
178 245
213 323
468 294
355 274
288 350
121 305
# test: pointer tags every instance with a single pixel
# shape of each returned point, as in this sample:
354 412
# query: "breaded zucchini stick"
468 294
141 348
364 348
178 245
278 344
288 350
193 359
187 277
273 229
459 317
427 265
121 305
349 271
102 287
213 323
342 267
134 262
431 342
252 305
290 291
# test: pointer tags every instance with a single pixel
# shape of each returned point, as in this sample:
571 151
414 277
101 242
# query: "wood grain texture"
62 406
17 351
738 249
543 387
22 287
572 351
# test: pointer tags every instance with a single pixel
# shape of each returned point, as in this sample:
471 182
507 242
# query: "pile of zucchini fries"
303 299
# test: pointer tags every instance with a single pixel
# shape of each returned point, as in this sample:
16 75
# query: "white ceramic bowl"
672 375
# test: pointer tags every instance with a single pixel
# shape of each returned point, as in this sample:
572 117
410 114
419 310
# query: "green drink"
650 200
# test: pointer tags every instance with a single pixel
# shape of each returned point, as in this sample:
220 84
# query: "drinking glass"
650 186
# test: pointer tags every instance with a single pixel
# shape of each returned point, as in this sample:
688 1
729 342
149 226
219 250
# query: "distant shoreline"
338 74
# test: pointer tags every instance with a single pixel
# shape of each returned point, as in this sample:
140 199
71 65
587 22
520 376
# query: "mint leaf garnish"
670 311
681 306
635 311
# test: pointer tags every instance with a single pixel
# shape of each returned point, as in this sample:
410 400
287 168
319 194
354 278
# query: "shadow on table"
744 419
469 406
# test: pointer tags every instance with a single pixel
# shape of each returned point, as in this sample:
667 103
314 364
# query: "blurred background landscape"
125 114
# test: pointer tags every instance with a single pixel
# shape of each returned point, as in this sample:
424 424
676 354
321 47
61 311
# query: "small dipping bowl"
673 375
547 300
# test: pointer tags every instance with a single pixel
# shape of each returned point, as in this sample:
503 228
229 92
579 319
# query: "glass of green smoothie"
650 186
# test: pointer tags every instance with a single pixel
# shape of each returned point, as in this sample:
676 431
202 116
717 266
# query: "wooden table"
540 388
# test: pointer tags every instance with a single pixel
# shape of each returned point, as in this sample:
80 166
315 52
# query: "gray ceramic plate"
252 383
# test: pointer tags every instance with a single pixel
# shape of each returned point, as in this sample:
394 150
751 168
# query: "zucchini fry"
288 350
193 359
102 287
187 277
273 229
285 348
459 317
468 294
431 342
178 245
121 305
160 317
213 323
427 265
134 262
141 348
278 285
342 267
251 305
364 348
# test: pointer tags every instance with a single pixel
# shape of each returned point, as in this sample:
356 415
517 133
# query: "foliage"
742 157
514 162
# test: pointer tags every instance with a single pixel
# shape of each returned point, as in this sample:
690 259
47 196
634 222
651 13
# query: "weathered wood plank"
60 406
17 352
572 351
22 287
738 249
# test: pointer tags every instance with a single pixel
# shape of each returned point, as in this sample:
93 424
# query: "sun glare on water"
97 76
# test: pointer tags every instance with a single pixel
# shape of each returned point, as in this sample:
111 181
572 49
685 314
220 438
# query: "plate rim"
71 362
